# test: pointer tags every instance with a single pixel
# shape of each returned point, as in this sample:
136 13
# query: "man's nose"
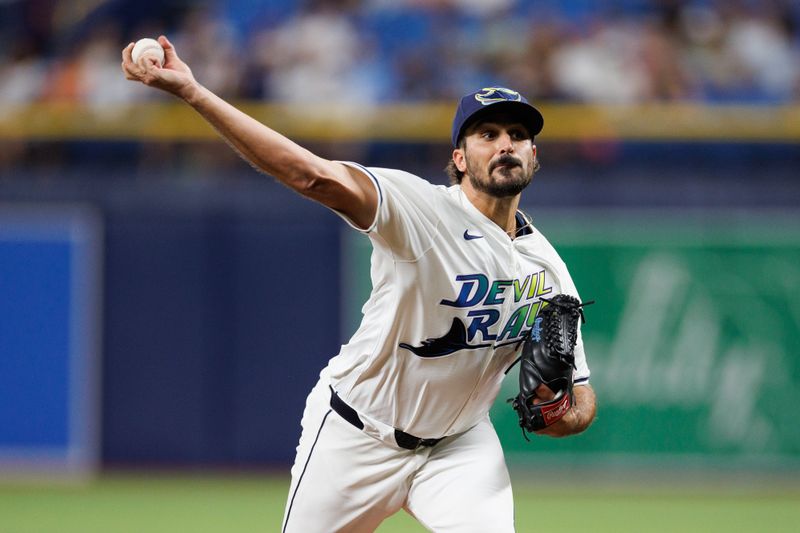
505 144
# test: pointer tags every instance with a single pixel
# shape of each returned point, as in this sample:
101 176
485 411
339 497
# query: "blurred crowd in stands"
376 51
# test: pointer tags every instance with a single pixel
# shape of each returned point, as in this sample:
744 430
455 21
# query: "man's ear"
533 147
460 160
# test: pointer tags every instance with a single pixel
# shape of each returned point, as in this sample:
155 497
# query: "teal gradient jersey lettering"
447 312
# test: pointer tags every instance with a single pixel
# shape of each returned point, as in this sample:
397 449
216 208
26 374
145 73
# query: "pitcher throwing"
400 416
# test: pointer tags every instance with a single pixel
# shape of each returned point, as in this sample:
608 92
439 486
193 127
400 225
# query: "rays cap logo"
480 103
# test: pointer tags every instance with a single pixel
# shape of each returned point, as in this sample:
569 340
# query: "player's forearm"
579 417
261 146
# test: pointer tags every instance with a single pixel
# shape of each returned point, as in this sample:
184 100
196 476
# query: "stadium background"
164 309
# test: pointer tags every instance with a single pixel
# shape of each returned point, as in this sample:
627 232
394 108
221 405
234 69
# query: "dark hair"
453 173
451 169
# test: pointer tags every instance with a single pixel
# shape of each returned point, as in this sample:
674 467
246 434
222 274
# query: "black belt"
403 439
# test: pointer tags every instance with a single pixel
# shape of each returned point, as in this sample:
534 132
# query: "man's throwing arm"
333 184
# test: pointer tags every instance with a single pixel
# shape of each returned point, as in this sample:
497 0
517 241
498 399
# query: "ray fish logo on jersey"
484 326
492 95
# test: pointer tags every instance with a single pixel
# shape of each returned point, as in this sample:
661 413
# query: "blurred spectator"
603 66
99 83
758 40
319 56
22 74
210 45
710 69
659 60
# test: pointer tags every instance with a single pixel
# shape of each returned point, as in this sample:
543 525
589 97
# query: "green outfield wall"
694 342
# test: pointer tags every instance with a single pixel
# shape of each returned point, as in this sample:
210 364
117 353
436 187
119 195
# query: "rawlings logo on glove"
548 358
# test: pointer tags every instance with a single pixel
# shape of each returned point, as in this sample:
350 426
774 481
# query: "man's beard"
516 178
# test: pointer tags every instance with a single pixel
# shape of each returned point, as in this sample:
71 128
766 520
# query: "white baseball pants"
344 480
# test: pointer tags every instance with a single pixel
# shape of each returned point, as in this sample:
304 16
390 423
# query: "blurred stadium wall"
163 304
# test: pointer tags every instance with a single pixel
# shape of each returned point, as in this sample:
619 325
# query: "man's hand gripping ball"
548 359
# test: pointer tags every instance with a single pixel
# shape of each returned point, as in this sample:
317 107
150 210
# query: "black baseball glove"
548 359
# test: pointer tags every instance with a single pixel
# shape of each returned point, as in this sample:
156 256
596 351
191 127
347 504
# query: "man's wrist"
191 93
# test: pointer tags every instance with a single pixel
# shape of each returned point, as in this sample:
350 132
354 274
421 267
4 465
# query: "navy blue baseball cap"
474 105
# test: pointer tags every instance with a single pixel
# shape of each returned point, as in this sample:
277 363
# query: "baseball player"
399 418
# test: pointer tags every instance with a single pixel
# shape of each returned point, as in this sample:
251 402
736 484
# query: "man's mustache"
505 160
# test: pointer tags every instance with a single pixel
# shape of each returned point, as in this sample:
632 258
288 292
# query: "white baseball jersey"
452 297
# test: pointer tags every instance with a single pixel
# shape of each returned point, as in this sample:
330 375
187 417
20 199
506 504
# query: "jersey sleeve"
407 219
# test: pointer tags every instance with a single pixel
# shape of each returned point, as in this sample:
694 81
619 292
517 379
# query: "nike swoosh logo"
469 237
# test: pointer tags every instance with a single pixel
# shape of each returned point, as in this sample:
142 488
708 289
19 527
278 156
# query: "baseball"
147 46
